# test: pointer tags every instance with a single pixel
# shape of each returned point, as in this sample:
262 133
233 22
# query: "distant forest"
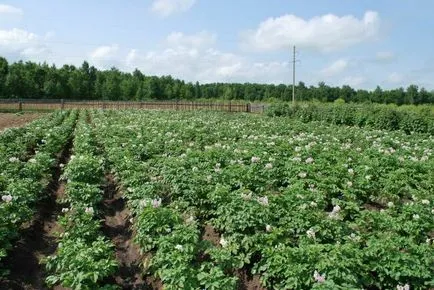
29 80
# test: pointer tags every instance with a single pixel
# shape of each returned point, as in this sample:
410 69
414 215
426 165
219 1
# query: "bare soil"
248 282
117 228
38 238
373 206
9 120
153 283
210 234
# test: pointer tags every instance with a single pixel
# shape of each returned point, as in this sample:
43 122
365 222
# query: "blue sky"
360 43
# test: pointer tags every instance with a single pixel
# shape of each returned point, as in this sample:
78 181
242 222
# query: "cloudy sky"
360 43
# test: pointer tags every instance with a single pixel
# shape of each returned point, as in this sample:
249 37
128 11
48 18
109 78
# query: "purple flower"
318 277
156 203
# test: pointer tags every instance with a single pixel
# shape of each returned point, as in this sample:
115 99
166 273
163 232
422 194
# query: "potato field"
143 199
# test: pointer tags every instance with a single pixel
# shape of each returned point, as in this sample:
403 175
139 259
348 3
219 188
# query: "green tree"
4 69
378 95
411 95
347 93
111 89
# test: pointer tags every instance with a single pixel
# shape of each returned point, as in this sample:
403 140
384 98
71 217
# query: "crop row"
18 144
24 177
159 228
84 257
407 119
300 205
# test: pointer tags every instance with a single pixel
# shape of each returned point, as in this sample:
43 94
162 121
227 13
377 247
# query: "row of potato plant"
386 117
158 228
23 182
18 144
301 205
84 257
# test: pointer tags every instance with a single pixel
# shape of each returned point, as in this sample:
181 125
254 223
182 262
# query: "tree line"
30 80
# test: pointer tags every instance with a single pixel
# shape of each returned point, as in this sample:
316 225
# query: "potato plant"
24 177
302 205
85 257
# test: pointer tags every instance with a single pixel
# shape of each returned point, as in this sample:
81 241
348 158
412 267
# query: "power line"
294 60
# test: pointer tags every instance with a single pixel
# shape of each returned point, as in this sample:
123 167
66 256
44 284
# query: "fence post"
62 104
177 105
20 105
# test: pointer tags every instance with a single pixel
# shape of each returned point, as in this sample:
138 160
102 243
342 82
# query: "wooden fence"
45 104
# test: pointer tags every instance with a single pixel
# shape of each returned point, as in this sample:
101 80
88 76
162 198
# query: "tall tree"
411 95
35 80
4 69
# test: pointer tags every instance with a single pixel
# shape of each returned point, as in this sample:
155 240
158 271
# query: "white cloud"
11 10
106 56
335 68
35 51
229 70
105 52
15 37
323 33
395 78
17 42
185 63
167 7
192 58
384 56
132 56
199 40
354 81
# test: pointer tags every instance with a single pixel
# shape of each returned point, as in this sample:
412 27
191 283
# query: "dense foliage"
408 119
301 205
41 81
84 256
26 159
215 196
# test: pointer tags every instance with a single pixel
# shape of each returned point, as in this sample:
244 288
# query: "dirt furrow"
38 238
117 228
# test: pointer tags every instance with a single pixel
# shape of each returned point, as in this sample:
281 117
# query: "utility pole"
293 77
